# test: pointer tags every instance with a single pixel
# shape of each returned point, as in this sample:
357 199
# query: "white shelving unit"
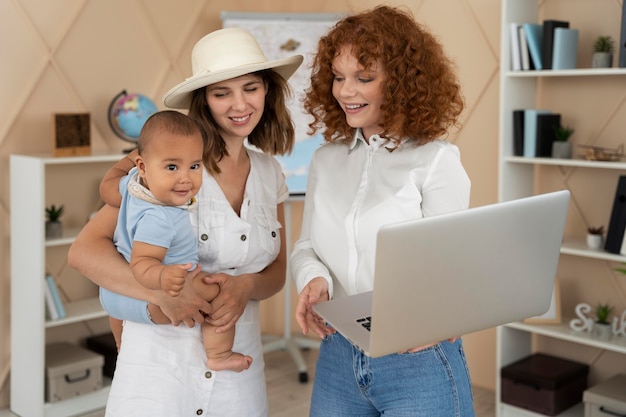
28 180
517 179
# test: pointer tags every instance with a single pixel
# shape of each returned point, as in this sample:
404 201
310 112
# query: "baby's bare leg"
218 347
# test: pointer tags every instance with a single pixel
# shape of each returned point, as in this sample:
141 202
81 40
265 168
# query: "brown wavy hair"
421 94
274 135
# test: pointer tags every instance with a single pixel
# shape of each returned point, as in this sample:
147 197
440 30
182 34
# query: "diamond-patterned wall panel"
75 55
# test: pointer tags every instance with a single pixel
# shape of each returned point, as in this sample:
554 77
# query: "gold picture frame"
553 315
71 134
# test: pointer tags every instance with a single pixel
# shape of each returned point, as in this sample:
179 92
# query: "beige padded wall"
75 55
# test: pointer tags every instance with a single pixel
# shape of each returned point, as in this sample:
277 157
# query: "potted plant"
603 48
594 237
54 227
561 147
602 325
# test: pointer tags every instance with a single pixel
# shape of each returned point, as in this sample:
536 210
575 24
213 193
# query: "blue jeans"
434 382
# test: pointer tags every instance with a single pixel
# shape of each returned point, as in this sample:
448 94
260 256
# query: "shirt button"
273 233
204 237
208 374
199 411
243 238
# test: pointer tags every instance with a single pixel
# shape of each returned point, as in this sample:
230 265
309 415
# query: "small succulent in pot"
54 213
53 226
594 237
603 311
604 44
603 48
561 148
563 133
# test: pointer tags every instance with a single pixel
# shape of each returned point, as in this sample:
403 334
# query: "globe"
128 113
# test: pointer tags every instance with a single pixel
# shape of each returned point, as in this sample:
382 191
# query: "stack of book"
54 306
534 130
550 45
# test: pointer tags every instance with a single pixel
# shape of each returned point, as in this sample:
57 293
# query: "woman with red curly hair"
385 95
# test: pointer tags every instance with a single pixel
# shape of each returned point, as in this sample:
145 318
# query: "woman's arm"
95 256
109 186
235 293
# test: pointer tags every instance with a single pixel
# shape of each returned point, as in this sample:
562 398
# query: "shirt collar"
375 141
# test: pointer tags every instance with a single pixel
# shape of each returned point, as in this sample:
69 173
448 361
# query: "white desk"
289 342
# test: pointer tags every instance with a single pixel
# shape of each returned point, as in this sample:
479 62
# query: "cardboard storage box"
71 371
104 344
608 398
544 384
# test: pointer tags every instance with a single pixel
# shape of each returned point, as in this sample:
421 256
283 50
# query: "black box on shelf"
607 398
71 371
544 384
104 344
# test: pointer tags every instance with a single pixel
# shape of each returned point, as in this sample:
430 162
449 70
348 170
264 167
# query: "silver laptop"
453 274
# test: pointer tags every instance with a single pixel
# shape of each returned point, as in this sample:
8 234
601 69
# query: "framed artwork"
71 134
553 315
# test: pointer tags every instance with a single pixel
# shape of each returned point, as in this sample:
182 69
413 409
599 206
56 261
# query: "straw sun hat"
222 55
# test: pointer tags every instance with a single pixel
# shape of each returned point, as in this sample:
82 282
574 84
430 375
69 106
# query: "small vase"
594 241
602 331
602 60
54 230
562 150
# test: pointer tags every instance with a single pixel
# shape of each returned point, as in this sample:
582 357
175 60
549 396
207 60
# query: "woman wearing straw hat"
239 98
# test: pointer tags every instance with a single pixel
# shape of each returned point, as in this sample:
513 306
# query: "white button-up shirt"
354 189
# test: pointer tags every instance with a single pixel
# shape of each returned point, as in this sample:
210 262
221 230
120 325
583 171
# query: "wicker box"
544 384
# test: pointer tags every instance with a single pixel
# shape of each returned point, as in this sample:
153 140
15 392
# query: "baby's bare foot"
230 361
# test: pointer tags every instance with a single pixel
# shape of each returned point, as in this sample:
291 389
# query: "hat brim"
179 96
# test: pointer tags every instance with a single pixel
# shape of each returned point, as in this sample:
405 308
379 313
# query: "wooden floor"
290 398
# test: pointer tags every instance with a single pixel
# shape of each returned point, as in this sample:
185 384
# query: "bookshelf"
31 177
520 177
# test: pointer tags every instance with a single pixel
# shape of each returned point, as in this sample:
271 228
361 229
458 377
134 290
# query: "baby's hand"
173 278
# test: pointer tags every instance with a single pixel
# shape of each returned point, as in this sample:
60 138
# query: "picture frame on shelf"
71 133
553 315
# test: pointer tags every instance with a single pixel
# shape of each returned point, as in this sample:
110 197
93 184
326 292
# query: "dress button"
208 374
273 233
243 238
199 411
204 237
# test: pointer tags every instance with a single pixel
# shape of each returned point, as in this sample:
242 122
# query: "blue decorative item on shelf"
128 113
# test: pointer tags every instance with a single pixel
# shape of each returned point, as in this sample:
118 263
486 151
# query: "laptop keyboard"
365 322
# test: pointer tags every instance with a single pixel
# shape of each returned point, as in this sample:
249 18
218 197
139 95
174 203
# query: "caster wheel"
303 377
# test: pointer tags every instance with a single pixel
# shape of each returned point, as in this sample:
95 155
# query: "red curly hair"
421 95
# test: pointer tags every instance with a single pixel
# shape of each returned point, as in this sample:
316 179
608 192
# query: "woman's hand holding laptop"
316 291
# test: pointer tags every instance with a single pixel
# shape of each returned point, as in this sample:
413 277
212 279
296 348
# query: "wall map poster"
280 36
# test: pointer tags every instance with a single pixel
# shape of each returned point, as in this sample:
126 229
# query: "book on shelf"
546 133
51 310
54 291
527 62
617 222
547 42
530 131
565 50
516 62
534 38
518 132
